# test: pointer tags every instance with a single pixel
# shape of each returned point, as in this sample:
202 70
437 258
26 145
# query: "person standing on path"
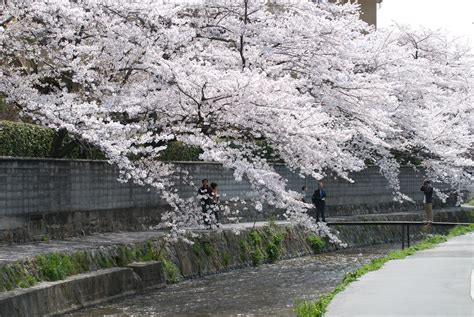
428 200
319 201
205 195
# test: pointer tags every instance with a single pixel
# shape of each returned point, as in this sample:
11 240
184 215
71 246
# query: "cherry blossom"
325 91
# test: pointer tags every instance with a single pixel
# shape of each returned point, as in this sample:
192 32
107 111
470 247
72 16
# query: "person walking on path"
428 200
319 201
205 195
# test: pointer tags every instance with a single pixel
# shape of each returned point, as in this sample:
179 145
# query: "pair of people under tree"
209 198
318 199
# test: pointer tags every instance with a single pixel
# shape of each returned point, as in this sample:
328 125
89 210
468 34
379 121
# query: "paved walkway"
434 282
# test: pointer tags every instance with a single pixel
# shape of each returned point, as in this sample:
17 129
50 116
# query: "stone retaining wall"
192 262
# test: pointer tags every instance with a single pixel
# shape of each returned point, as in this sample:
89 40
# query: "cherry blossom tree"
318 86
435 87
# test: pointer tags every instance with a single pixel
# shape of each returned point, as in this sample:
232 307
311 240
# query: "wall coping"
47 159
41 159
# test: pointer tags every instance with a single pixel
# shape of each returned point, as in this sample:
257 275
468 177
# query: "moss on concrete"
316 243
210 253
15 275
172 274
58 266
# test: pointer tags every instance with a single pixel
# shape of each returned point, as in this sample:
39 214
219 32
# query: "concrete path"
18 252
434 282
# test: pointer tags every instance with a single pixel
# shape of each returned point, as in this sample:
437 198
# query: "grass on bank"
58 266
318 308
257 246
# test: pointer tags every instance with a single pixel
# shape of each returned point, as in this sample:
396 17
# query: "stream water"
267 290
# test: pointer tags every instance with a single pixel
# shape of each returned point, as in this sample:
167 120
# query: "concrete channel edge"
82 290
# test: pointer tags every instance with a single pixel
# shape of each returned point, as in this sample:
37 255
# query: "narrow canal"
267 290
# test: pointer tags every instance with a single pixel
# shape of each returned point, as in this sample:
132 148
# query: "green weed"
316 243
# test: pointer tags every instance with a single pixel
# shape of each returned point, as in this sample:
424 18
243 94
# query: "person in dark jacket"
428 200
319 201
205 195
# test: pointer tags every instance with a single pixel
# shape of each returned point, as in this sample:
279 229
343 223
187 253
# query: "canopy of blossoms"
318 86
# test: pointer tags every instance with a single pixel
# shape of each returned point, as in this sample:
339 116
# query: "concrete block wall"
69 197
370 192
370 187
30 186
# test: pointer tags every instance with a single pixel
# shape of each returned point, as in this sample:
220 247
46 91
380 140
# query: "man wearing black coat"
319 201
205 195
428 200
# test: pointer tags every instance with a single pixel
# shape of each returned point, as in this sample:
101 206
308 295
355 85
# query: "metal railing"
405 225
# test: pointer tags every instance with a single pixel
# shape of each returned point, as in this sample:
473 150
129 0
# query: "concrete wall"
68 197
45 186
35 186
81 291
368 10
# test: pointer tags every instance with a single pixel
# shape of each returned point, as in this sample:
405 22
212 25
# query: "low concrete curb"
80 291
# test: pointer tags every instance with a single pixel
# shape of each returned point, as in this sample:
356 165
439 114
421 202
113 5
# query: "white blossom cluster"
326 92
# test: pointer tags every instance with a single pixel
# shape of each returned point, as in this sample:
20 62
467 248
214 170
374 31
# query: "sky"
457 16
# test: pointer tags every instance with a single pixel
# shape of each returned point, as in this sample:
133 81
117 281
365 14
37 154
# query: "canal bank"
266 290
272 290
212 252
78 275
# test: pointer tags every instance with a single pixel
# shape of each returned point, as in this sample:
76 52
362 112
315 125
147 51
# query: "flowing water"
267 290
